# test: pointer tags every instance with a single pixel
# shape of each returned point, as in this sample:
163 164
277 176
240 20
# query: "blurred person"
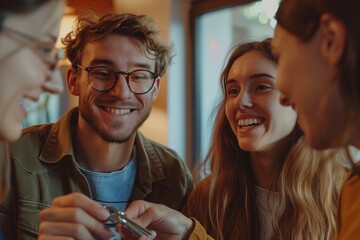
28 32
95 155
317 42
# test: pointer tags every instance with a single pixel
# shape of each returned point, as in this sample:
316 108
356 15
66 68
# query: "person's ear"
156 88
333 35
72 81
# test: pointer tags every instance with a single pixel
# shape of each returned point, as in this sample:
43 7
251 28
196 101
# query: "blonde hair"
308 180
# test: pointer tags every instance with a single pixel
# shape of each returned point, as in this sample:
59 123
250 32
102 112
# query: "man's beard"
108 137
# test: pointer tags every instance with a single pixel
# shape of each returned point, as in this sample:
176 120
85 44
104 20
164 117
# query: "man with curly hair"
95 155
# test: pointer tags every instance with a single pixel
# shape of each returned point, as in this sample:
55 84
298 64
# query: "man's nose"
121 87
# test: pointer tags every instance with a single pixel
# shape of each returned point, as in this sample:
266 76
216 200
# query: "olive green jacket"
43 167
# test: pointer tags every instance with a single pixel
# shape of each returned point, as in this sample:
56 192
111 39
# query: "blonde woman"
317 42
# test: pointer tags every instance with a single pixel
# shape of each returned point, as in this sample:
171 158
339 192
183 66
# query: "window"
215 32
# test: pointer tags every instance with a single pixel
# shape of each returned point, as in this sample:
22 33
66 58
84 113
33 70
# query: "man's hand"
74 216
166 222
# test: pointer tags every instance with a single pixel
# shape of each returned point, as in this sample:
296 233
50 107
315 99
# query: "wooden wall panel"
102 6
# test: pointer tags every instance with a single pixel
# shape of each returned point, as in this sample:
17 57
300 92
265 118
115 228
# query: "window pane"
216 33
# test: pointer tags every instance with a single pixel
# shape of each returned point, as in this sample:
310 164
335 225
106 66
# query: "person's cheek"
54 83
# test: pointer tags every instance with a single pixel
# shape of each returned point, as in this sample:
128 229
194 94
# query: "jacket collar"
59 141
150 167
59 144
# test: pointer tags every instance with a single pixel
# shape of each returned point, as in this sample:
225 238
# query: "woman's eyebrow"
229 81
252 77
261 75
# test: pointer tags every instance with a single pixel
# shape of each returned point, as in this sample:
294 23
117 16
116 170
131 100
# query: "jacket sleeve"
198 233
348 222
8 225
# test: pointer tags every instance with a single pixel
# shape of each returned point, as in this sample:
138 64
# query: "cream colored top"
268 202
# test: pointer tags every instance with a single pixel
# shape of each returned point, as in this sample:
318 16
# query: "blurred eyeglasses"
103 79
48 53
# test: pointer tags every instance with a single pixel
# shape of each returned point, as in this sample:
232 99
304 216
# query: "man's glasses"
103 79
46 51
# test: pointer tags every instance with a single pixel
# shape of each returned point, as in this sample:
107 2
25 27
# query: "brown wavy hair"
308 180
90 27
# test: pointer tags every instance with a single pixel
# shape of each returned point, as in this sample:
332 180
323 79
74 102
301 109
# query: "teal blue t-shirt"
112 188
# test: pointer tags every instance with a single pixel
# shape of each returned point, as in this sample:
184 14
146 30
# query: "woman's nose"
244 100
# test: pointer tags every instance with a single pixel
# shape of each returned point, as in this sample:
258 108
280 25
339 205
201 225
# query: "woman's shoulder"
203 187
197 205
199 196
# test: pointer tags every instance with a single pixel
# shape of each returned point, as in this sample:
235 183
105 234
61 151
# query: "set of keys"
117 216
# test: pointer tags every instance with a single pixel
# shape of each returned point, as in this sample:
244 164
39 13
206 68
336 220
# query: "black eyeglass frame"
116 73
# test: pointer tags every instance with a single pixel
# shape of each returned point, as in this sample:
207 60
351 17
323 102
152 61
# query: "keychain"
117 216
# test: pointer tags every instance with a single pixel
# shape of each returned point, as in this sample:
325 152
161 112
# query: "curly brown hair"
91 27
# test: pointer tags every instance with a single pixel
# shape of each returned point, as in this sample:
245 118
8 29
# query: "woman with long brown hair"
265 182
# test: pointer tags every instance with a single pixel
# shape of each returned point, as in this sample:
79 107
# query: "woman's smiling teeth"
117 111
249 122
